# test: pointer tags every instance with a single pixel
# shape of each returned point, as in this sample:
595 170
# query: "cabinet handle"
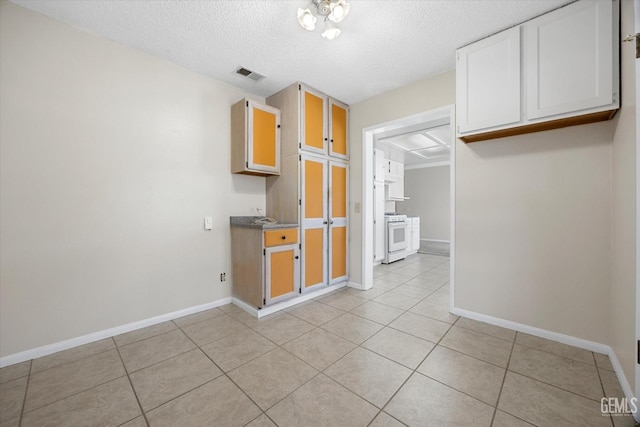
297 257
326 139
331 222
331 140
325 222
284 237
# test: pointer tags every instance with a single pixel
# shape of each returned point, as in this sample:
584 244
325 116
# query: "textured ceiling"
384 44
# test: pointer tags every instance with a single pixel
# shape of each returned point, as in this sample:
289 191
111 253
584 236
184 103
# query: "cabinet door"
281 272
488 82
338 129
314 122
263 144
569 57
313 205
338 207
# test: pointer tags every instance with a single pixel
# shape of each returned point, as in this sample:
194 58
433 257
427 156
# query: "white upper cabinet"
488 82
569 59
559 69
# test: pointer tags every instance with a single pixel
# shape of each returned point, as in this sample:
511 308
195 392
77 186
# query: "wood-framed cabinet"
312 188
266 264
255 138
323 128
559 69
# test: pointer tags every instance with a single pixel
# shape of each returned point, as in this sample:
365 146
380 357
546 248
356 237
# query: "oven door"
398 234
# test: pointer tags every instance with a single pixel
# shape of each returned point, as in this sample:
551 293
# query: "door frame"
368 136
637 325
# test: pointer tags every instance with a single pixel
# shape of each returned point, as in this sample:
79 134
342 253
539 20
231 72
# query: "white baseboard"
434 240
359 286
107 333
270 309
555 336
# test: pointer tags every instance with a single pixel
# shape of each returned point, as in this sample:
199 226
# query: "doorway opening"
441 119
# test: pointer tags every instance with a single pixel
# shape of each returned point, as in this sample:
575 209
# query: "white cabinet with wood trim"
559 69
266 262
255 138
312 188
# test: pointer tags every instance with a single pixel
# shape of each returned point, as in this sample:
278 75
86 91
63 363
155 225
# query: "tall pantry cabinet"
312 188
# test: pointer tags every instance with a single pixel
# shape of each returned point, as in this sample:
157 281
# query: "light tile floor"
390 356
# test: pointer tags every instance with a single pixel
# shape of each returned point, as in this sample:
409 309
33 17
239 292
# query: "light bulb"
339 10
330 31
306 19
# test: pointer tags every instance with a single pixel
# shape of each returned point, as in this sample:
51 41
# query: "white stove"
396 237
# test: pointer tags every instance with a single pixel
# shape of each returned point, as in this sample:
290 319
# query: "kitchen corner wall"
110 159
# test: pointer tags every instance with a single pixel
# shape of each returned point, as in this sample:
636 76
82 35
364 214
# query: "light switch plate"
208 223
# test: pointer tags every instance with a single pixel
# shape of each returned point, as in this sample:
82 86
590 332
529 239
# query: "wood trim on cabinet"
542 126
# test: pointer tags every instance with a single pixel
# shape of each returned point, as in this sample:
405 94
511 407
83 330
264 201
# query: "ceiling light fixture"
331 11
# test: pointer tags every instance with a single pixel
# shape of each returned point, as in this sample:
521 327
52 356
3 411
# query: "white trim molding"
107 333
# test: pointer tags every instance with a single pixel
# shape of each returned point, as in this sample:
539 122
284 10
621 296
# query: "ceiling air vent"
251 75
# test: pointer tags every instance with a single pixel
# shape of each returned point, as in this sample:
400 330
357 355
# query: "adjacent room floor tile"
71 355
144 333
213 329
322 402
399 347
11 398
163 381
155 349
568 374
136 422
319 348
237 349
485 328
12 372
423 401
71 378
316 313
368 294
354 371
109 404
272 376
377 312
471 376
283 328
413 291
353 328
555 347
547 406
481 346
219 402
421 326
611 384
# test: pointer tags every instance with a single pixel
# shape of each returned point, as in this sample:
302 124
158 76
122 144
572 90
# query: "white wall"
429 192
623 221
110 160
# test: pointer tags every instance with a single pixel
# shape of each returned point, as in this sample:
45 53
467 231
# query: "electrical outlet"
223 277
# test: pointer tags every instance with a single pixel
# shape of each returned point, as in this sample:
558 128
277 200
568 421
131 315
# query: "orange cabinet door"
263 142
338 129
281 272
314 207
338 207
314 136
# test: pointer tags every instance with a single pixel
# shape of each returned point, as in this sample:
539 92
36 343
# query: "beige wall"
424 95
429 193
110 160
623 224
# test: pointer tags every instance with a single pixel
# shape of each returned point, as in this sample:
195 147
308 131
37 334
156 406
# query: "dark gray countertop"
250 222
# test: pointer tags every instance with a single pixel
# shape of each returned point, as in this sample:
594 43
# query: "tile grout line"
504 378
24 398
133 389
604 392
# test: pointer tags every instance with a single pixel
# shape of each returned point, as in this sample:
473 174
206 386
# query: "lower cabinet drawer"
285 236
